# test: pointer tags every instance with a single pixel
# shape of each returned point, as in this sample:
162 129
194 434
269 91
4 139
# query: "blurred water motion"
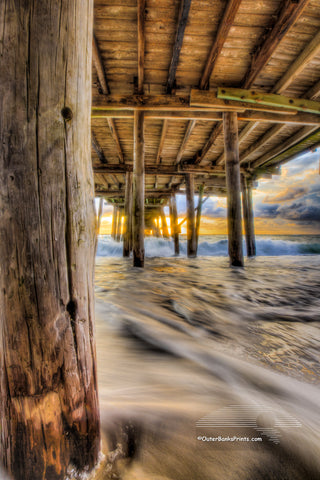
190 350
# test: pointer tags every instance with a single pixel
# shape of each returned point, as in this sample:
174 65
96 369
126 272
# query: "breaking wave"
217 245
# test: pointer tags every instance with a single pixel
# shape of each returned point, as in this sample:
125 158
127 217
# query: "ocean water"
217 245
208 372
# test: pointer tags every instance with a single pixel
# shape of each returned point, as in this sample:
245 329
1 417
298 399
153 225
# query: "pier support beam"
248 216
48 383
114 222
231 145
165 231
191 228
118 229
174 223
138 190
127 233
199 209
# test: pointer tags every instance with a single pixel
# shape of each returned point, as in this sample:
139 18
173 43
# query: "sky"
286 204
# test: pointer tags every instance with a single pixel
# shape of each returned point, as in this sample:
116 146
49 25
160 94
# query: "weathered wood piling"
174 225
127 234
248 217
191 228
231 145
49 404
138 190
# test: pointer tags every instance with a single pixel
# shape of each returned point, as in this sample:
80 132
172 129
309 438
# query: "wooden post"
118 230
230 127
138 190
200 202
248 217
99 217
48 383
191 229
127 216
175 229
165 231
114 222
157 225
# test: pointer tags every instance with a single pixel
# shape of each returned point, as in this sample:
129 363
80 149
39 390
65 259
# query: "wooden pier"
183 97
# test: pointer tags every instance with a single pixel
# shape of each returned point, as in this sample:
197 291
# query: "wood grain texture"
230 127
221 36
127 234
248 217
191 226
138 191
49 405
182 22
289 14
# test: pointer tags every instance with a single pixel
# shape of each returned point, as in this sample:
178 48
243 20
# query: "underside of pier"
187 67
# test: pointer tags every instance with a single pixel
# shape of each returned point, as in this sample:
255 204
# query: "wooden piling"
48 381
165 231
99 217
127 233
118 229
230 127
114 222
248 216
138 190
191 229
199 209
174 223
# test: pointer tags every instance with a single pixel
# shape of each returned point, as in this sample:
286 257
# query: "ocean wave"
216 246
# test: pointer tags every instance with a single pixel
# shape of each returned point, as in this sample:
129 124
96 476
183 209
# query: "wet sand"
184 339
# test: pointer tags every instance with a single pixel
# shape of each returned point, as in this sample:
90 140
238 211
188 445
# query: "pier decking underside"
162 56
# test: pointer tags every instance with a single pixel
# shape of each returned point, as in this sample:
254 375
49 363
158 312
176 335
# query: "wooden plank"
297 119
190 127
212 116
98 149
285 145
230 127
164 170
309 52
97 60
314 91
266 137
166 102
105 90
269 99
141 44
162 139
217 130
210 99
116 139
138 191
289 14
307 144
182 22
223 31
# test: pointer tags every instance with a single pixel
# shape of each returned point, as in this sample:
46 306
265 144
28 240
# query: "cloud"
266 210
290 193
214 208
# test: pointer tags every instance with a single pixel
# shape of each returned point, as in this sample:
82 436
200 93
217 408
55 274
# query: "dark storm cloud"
307 210
265 210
